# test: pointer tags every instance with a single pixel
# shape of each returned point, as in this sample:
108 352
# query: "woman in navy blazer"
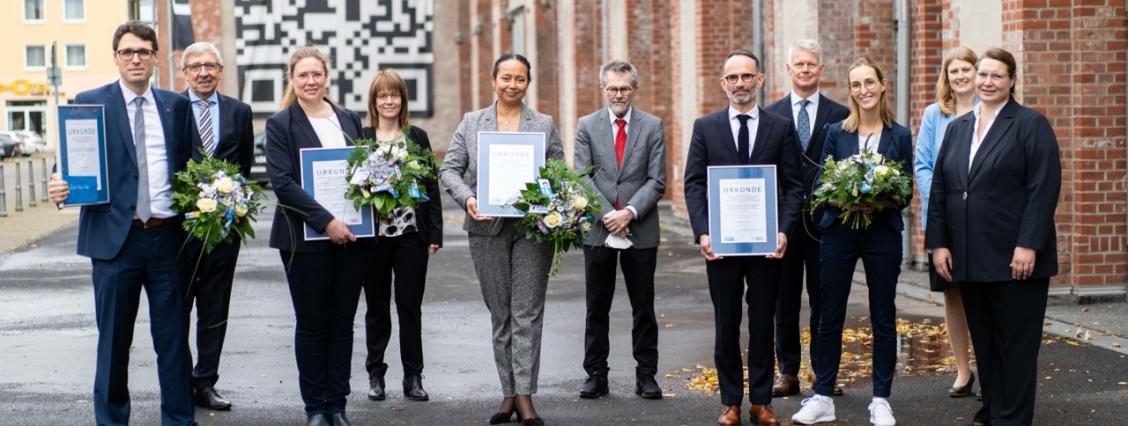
870 126
325 277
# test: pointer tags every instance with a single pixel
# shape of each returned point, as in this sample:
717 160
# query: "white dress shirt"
812 109
614 133
975 139
328 131
752 126
160 190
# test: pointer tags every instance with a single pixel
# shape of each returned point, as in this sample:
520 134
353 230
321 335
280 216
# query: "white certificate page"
82 149
743 212
329 187
511 167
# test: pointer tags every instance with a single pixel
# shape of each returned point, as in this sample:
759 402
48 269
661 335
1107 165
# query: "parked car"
258 168
9 146
32 142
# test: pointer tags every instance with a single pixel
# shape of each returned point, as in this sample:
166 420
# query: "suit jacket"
462 157
103 228
429 215
712 145
237 141
287 132
1007 199
896 145
829 112
639 183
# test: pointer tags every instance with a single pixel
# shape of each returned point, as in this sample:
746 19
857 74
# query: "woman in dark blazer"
324 276
870 127
991 229
405 241
512 270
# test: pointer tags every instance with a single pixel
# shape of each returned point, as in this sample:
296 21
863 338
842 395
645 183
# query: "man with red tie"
625 148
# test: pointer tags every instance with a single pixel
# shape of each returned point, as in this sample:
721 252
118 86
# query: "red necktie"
620 146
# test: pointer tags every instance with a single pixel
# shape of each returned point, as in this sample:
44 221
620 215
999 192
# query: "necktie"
143 208
620 146
804 125
207 134
742 138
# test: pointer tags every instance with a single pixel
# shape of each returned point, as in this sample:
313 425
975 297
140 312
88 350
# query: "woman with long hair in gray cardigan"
512 270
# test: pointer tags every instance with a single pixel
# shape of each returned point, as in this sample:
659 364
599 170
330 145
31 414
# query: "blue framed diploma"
506 162
81 157
323 178
743 210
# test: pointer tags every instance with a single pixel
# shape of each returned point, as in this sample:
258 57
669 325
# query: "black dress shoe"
962 391
207 397
647 388
339 419
318 419
594 387
413 388
500 418
376 389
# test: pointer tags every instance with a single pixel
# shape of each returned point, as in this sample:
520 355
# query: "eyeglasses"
735 78
209 67
869 84
613 91
994 76
310 76
142 54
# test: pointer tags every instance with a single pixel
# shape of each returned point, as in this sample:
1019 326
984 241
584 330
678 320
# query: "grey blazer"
641 181
462 157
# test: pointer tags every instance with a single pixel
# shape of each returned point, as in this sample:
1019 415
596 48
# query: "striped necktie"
207 134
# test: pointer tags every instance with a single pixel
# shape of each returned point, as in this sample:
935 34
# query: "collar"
212 100
813 98
754 113
626 116
130 96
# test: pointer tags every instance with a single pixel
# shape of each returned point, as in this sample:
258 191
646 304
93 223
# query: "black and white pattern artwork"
361 37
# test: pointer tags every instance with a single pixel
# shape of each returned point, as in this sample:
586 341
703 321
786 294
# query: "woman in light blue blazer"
512 270
955 96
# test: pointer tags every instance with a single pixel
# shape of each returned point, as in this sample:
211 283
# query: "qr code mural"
361 36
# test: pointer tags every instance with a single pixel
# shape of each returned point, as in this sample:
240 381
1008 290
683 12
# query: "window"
35 57
142 10
76 56
33 11
74 10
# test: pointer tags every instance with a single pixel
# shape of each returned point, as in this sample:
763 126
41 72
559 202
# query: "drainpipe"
901 10
758 41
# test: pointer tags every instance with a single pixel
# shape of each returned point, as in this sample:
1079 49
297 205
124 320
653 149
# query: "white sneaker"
881 414
816 409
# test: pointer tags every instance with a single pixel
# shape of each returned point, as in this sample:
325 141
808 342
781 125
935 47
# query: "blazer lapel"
1003 120
602 151
299 120
117 103
886 142
961 147
488 122
347 128
633 130
820 120
762 129
164 110
722 126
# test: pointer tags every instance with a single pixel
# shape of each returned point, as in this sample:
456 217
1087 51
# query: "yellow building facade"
82 30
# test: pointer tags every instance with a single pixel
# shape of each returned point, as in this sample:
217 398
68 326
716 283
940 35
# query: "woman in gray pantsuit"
512 270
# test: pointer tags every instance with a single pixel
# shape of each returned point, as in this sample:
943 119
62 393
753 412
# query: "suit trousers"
638 273
404 258
147 260
513 273
801 260
727 280
210 290
879 248
325 288
1005 319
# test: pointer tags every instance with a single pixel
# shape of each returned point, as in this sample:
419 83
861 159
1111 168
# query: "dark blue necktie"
742 138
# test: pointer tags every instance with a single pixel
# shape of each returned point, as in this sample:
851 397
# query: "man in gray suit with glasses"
625 148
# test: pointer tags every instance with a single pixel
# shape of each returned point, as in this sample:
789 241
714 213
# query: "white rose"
580 202
553 220
240 210
206 205
881 170
224 185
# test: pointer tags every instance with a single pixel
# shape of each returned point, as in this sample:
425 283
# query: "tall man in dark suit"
809 111
626 147
133 240
743 134
224 126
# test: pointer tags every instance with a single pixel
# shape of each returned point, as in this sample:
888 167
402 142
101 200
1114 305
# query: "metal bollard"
3 194
19 190
31 184
43 196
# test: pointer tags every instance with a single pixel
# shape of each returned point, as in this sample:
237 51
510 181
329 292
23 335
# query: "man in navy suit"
809 112
224 126
133 240
743 134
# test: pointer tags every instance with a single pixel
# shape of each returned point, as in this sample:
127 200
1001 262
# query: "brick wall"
722 26
649 50
836 38
589 52
484 33
929 28
547 79
464 40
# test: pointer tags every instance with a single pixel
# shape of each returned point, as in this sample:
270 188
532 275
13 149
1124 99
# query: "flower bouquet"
862 180
387 176
218 203
558 209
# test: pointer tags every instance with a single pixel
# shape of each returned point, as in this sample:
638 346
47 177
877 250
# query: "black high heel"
962 391
533 422
499 418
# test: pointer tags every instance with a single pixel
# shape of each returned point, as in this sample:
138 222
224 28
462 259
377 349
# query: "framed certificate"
506 162
81 156
743 210
323 178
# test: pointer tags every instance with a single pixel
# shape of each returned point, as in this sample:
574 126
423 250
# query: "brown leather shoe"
786 385
729 416
763 415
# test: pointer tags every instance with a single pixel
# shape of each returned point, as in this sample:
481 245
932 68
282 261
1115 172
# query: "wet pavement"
47 346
